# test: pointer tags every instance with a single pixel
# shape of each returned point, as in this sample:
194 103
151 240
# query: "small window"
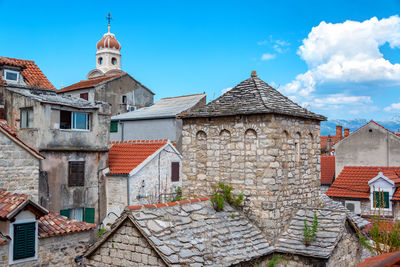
81 214
100 60
76 173
11 75
24 241
381 199
114 127
124 99
175 171
26 118
74 120
84 96
76 214
114 61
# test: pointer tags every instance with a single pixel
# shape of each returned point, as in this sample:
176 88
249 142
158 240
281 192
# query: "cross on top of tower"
109 18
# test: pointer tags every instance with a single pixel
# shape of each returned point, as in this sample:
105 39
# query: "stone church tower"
259 142
108 56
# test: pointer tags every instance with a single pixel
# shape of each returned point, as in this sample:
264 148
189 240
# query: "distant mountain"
329 127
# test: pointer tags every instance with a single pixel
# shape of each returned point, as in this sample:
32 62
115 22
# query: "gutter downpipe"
128 190
122 130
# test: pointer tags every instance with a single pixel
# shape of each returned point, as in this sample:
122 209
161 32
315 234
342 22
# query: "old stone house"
159 121
31 236
72 134
108 83
141 172
368 190
370 145
259 142
19 164
192 233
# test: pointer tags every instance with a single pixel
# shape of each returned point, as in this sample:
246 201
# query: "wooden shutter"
24 240
76 173
175 171
378 202
114 127
89 215
84 96
64 213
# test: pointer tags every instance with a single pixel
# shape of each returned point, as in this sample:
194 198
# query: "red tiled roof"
387 259
327 169
124 156
169 204
9 202
13 135
324 140
53 224
33 76
352 182
87 83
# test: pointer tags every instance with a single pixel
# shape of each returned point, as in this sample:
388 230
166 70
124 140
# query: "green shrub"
218 201
310 233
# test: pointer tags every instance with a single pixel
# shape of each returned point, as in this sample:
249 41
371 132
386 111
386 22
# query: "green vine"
310 233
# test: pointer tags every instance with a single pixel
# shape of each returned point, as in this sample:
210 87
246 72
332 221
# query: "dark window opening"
114 127
84 96
76 173
65 119
175 171
114 61
100 60
74 120
26 118
124 99
24 240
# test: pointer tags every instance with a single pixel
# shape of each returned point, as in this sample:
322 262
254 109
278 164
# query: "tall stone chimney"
339 132
346 132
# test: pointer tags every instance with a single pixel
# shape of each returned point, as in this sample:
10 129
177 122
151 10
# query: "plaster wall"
76 93
273 160
371 145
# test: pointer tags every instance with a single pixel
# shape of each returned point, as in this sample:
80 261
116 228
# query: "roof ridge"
183 96
143 141
167 204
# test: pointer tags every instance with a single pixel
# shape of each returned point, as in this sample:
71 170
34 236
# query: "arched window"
250 134
114 61
201 135
100 60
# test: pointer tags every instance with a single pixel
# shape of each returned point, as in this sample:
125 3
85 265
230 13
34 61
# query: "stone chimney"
339 132
346 132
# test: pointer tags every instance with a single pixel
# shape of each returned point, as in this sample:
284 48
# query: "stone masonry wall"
125 247
19 170
53 251
273 160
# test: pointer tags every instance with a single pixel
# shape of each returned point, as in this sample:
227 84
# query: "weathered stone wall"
126 247
274 160
19 170
53 251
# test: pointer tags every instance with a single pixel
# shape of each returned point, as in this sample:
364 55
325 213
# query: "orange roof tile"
53 224
9 202
87 83
387 259
33 76
124 156
352 182
327 169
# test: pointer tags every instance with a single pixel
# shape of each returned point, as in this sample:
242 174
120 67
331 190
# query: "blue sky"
347 66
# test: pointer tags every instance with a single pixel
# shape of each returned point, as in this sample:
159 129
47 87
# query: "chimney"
346 132
339 132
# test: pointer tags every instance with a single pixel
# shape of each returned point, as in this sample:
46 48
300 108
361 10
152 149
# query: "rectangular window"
76 214
11 75
24 241
114 127
80 214
175 171
84 96
124 99
26 118
381 199
74 120
76 173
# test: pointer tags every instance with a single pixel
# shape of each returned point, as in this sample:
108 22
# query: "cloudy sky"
340 59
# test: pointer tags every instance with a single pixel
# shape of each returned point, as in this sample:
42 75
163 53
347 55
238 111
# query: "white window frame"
372 189
371 198
73 212
11 247
11 71
73 122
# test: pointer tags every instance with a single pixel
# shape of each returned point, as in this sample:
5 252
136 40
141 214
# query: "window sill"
73 130
23 260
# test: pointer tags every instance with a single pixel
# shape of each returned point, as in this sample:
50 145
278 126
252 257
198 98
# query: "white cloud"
226 90
336 101
267 56
347 52
395 107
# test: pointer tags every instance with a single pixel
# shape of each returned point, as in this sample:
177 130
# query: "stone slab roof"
192 233
168 107
53 98
31 73
252 96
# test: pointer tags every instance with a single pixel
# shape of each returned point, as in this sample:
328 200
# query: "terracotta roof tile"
324 140
9 202
33 76
352 182
387 259
87 83
327 169
53 224
125 156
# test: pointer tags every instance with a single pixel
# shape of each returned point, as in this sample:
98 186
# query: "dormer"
381 192
12 75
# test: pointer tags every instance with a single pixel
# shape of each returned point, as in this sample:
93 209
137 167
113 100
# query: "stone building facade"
259 142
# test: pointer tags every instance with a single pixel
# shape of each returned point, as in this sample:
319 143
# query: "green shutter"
378 202
114 127
89 215
64 213
24 240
